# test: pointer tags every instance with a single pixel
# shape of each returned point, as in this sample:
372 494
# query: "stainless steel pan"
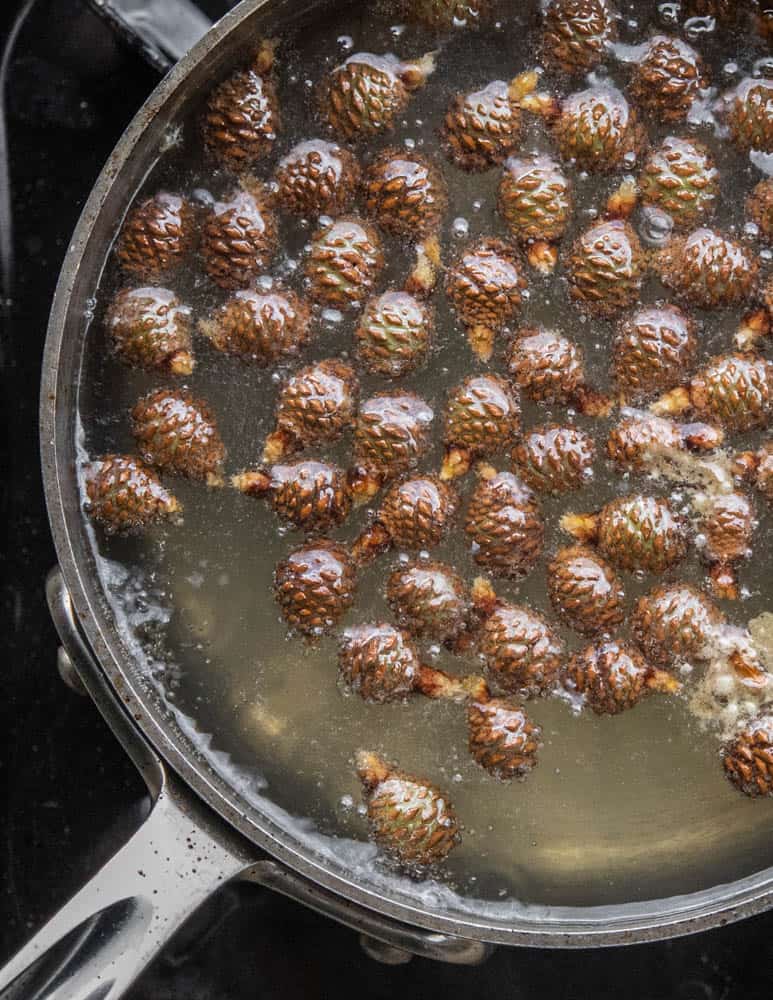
201 832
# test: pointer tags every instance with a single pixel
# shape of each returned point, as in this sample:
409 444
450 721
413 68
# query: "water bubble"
460 228
766 255
630 159
763 67
751 230
457 778
346 802
345 42
477 205
333 316
656 226
730 69
669 14
409 143
696 28
397 30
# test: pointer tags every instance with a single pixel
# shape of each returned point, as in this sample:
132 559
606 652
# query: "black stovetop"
72 796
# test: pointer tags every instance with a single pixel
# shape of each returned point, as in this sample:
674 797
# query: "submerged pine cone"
505 525
585 591
410 819
654 350
640 439
555 459
748 757
428 599
481 128
264 327
367 94
680 179
241 119
748 111
156 236
550 368
635 532
486 288
759 208
315 586
577 33
344 263
445 14
598 131
316 406
124 495
675 622
378 662
727 524
177 432
613 677
535 198
502 738
392 433
309 495
405 193
394 335
522 653
317 178
606 268
151 329
239 237
483 416
667 79
707 270
417 513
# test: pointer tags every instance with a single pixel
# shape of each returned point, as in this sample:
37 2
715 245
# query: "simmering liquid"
619 809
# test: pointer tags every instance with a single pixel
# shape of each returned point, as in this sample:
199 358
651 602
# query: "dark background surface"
71 795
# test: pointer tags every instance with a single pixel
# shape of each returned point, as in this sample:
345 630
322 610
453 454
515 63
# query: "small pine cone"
378 662
707 270
598 131
585 591
535 198
727 524
151 329
156 236
239 238
442 15
606 269
555 459
759 208
264 327
417 513
748 758
394 335
611 676
749 114
522 653
315 586
640 439
654 350
124 495
483 417
366 95
410 819
486 288
392 433
316 406
576 34
317 178
680 179
502 738
428 599
667 79
309 495
548 368
177 432
344 263
241 118
734 389
481 129
675 622
763 477
505 526
405 193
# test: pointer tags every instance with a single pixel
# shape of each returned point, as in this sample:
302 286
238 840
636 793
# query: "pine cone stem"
701 437
423 278
523 85
481 339
371 768
363 484
755 326
414 73
542 256
662 681
373 541
255 484
439 685
484 598
592 403
583 527
749 671
723 581
278 445
456 463
672 403
265 57
181 363
622 202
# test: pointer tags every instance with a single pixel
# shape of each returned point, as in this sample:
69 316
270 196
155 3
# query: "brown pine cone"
535 198
442 15
585 591
378 662
522 653
317 178
748 757
239 237
550 368
759 208
483 417
502 738
680 178
482 128
707 270
763 471
667 79
555 459
676 622
598 131
156 236
125 495
640 439
241 118
606 269
391 434
315 586
177 432
577 33
428 599
417 513
309 495
263 327
613 677
727 524
345 262
749 114
151 329
505 525
394 335
654 350
405 193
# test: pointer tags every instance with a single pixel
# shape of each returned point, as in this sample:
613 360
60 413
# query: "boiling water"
619 809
